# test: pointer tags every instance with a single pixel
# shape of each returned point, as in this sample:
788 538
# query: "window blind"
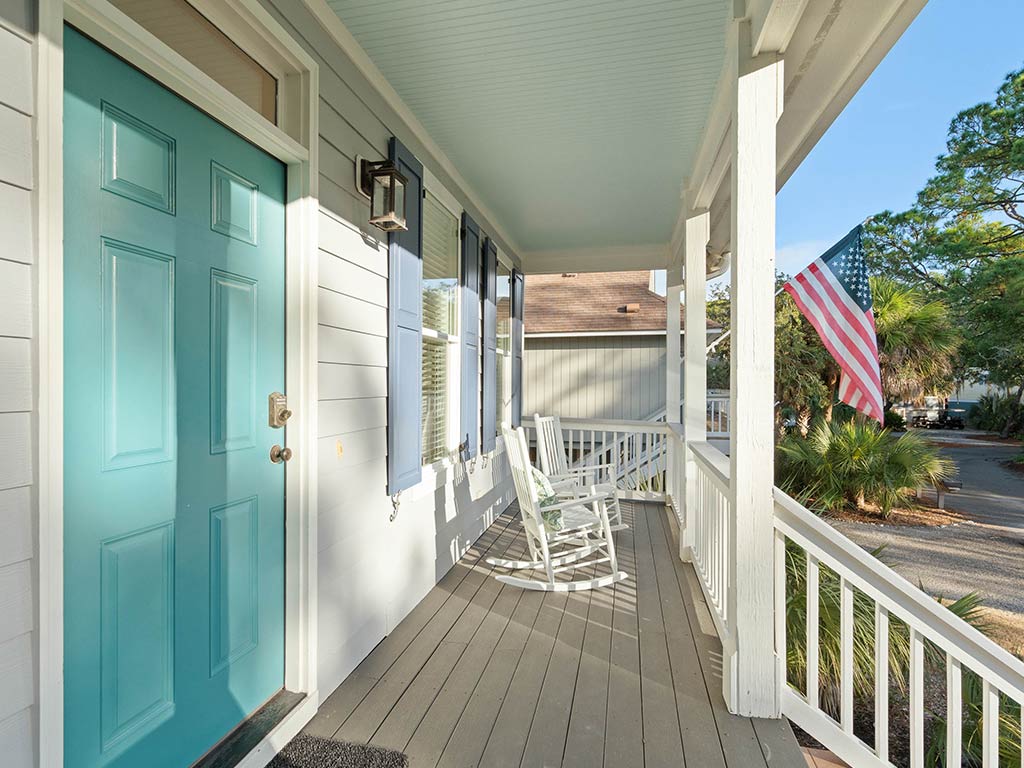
435 399
440 266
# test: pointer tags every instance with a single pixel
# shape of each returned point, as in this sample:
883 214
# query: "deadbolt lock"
277 410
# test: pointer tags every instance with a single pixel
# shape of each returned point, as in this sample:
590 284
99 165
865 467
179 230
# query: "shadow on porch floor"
484 674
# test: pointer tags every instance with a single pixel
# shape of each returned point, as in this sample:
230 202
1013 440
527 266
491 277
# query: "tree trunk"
1014 415
832 383
803 420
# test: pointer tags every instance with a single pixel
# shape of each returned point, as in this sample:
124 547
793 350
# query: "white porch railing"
937 638
711 536
639 448
834 575
717 424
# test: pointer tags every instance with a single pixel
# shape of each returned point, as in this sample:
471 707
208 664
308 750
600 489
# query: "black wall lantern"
385 186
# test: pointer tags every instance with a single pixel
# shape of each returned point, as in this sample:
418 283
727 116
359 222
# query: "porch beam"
750 680
696 231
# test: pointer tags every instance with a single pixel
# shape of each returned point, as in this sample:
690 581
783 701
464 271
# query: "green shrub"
853 464
973 708
992 412
895 421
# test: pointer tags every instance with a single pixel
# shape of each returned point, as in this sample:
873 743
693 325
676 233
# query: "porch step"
822 758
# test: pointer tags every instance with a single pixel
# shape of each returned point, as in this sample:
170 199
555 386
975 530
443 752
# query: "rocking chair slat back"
550 445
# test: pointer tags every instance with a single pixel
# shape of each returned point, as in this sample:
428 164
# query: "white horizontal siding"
15 374
340 311
18 597
15 147
16 448
16 742
16 611
16 222
15 298
16 64
17 674
371 570
339 382
16 525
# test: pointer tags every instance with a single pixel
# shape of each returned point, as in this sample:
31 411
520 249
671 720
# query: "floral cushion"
547 497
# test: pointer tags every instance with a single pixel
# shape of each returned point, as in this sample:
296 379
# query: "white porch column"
673 352
750 679
695 369
673 361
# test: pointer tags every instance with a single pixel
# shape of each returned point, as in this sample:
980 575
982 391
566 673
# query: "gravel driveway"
985 554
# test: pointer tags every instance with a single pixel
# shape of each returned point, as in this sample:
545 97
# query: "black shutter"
489 288
518 297
405 330
470 386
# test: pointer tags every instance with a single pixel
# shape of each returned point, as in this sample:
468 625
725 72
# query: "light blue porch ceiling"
574 120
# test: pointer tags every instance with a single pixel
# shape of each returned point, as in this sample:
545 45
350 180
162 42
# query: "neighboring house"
248 434
595 345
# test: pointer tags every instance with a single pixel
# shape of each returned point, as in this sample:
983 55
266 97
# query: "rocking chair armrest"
575 472
580 501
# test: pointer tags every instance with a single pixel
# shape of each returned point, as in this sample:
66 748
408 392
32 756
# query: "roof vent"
629 309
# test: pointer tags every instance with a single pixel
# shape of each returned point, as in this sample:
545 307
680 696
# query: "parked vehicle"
944 418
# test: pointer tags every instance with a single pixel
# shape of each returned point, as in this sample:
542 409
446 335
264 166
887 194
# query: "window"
503 356
440 327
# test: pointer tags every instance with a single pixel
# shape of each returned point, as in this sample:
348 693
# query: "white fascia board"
334 26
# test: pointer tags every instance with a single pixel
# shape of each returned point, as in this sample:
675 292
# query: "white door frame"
295 143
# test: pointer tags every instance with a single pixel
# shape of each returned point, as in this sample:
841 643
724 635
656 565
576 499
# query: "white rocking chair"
574 481
583 539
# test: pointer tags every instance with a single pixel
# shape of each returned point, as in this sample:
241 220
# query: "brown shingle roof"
593 301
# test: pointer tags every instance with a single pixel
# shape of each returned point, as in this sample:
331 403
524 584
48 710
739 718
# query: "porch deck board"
484 674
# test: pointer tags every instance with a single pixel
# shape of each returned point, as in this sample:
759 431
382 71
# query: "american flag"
834 295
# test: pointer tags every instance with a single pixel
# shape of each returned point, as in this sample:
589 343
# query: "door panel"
174 336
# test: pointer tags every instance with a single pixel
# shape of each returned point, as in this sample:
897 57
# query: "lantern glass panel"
399 209
379 197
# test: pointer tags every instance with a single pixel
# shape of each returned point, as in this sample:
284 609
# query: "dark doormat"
315 752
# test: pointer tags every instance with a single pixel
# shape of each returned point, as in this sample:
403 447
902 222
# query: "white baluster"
781 648
812 631
954 711
989 725
916 699
846 655
881 682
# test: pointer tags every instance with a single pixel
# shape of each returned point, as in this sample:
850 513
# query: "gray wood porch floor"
484 674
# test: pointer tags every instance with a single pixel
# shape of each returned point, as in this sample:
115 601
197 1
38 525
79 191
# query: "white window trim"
500 355
435 473
295 142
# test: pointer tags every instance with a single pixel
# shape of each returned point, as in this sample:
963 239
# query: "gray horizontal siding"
372 571
18 593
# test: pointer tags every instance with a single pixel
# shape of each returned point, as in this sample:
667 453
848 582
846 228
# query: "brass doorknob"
279 454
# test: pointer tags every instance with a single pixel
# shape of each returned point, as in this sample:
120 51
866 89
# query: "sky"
882 148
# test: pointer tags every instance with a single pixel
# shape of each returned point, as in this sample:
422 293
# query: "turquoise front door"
173 339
